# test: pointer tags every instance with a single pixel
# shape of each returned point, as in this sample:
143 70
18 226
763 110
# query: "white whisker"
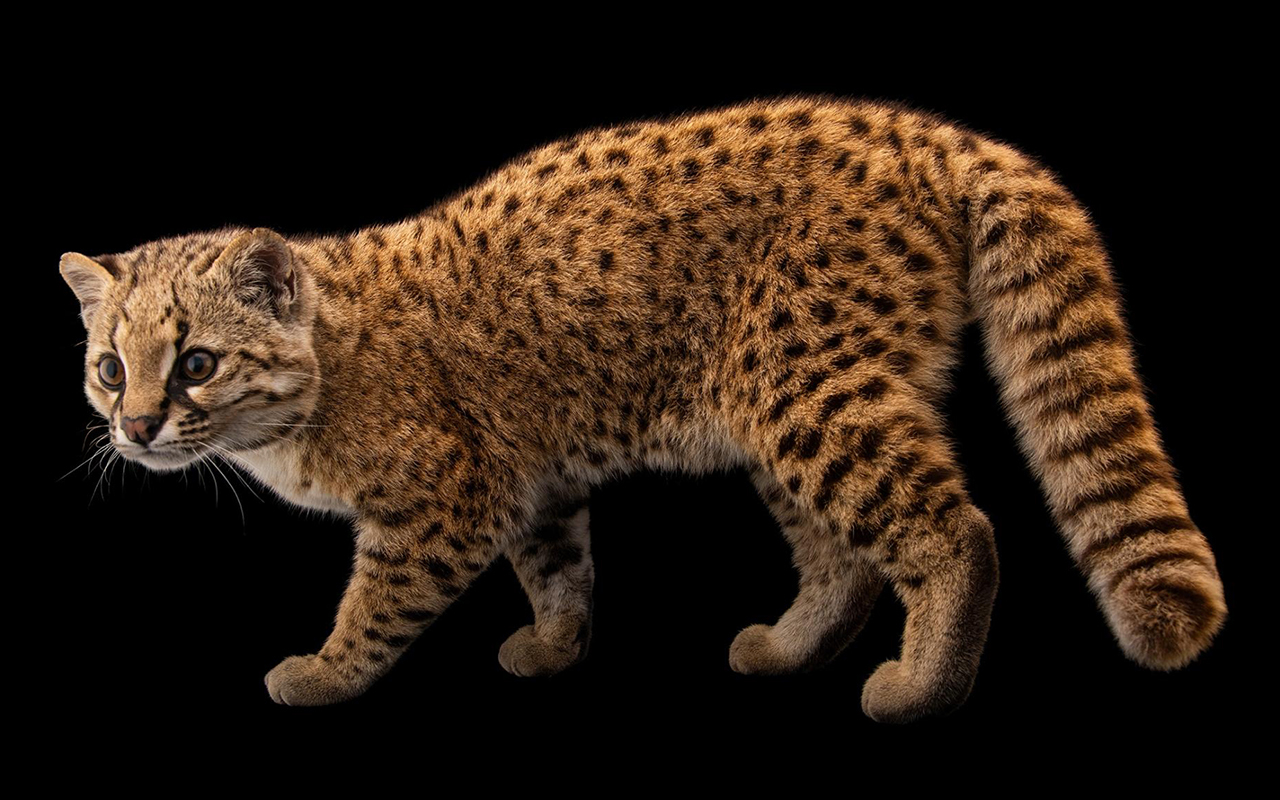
213 463
98 487
97 452
229 461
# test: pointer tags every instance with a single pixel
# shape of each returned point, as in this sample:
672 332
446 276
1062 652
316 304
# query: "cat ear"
261 269
89 279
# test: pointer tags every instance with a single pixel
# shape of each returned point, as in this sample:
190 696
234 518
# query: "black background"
159 600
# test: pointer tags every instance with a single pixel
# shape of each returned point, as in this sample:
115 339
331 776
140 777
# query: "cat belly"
279 469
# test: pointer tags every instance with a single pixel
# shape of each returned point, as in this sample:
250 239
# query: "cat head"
197 344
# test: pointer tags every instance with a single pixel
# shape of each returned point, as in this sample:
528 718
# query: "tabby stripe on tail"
1060 352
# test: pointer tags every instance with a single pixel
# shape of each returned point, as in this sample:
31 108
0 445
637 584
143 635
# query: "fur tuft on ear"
89 279
260 266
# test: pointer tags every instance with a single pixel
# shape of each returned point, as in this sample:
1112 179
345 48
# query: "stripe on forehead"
149 344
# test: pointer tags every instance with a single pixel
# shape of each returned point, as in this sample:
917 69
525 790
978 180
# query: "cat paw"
894 694
308 681
756 651
525 655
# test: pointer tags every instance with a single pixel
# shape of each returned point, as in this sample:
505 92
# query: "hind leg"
867 459
554 566
838 588
942 564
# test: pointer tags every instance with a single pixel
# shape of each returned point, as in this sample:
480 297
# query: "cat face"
197 345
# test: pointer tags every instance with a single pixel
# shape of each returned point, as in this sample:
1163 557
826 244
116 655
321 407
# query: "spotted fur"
778 285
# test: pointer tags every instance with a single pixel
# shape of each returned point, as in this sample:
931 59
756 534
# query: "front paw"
754 652
527 656
309 681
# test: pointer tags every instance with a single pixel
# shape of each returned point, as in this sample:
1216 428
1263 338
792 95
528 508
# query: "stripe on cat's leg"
553 563
404 577
838 589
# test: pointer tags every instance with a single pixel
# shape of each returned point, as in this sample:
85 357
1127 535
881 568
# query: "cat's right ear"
260 267
89 279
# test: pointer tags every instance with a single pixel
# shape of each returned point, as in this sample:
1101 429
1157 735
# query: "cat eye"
110 372
198 365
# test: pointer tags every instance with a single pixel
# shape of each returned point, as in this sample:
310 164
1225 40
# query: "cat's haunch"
779 285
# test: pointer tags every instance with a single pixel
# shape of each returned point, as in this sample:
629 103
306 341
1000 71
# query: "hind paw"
895 694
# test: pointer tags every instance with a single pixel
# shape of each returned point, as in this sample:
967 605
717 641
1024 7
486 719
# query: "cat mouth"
163 459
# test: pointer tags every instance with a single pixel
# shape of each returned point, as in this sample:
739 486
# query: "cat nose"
141 430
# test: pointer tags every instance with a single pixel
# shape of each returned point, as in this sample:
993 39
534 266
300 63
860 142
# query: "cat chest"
280 469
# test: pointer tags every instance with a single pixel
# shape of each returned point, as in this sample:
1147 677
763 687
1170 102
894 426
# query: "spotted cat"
779 285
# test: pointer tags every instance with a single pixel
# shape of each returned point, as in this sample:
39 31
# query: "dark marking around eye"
183 330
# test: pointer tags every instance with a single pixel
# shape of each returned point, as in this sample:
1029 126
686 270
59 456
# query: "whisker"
84 444
98 487
91 429
218 448
213 463
213 478
97 452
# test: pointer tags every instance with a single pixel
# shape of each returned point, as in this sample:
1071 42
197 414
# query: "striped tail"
1059 347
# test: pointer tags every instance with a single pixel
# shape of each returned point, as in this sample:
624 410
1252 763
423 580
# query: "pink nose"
141 430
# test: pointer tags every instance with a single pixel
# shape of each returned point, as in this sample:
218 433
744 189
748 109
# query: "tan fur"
778 285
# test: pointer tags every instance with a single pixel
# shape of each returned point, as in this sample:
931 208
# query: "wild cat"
778 285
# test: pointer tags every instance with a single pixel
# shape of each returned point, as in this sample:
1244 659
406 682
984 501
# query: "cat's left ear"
261 268
89 279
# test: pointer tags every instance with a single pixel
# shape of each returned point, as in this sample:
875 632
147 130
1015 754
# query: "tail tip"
1163 622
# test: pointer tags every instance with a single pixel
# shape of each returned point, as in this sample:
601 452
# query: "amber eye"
110 372
198 365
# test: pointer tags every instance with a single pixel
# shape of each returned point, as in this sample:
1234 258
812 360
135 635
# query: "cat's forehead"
160 287
175 258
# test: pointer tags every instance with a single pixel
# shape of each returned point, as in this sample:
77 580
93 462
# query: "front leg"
408 569
554 565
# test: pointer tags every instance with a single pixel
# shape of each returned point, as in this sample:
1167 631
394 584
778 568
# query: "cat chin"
163 461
